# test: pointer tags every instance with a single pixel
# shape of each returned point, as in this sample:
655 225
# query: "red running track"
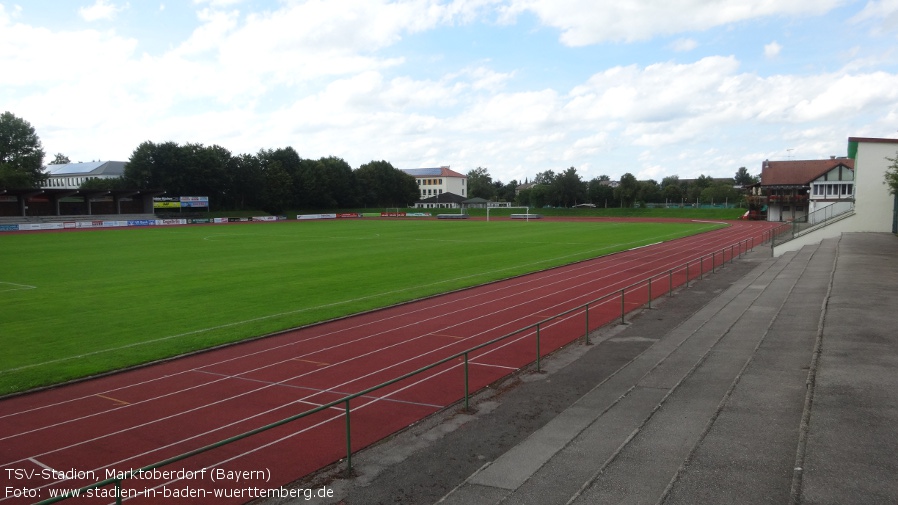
136 418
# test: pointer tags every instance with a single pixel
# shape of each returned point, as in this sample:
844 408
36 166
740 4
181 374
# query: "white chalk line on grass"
307 309
6 287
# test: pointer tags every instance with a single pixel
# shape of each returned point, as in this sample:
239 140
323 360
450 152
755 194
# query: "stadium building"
794 189
434 182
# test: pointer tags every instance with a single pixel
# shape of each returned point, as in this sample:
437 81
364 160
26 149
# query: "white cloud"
7 17
585 22
330 78
38 57
772 50
683 45
882 14
101 10
219 3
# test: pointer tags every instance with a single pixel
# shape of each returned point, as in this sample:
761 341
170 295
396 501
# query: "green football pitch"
80 303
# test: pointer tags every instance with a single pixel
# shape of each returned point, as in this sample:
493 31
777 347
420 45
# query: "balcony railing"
787 198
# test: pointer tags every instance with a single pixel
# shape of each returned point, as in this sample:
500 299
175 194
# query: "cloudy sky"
649 87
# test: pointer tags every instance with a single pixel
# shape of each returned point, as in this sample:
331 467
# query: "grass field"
79 303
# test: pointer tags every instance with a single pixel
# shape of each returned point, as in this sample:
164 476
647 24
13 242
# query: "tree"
339 181
743 178
672 189
21 154
568 188
326 183
156 166
204 171
649 191
480 184
60 159
382 185
547 177
602 195
277 192
523 198
506 192
290 162
720 192
891 175
246 182
538 196
626 191
701 183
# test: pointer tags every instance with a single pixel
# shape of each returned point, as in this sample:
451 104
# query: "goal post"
527 211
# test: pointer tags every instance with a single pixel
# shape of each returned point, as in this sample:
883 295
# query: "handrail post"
701 268
713 260
118 491
466 383
622 307
670 282
538 369
650 292
586 337
687 274
348 442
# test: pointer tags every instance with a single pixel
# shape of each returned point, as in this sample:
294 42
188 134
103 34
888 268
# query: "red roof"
445 172
799 172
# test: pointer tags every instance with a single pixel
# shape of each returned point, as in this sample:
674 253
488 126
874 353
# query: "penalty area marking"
12 286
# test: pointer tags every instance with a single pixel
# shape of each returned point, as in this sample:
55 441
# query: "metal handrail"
741 247
818 218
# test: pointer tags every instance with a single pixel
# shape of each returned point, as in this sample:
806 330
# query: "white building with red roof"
794 189
438 181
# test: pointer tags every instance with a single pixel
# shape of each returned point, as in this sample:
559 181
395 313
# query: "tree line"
567 188
272 180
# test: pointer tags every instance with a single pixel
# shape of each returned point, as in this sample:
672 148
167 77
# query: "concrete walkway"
781 387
